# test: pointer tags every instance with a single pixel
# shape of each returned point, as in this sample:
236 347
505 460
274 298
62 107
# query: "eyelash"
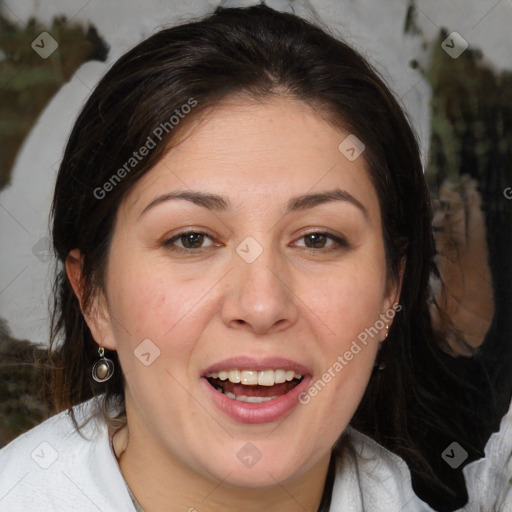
340 242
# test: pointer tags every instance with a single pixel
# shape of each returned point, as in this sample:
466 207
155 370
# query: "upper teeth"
253 377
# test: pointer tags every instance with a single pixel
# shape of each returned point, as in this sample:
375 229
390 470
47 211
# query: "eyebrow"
220 204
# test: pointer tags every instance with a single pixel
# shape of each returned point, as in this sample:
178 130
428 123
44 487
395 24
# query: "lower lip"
264 412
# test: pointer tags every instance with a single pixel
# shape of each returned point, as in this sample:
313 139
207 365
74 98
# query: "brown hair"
257 52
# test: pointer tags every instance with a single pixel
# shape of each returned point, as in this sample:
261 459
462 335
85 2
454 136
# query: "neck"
159 481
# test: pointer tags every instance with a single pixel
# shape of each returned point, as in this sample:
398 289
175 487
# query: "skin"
202 307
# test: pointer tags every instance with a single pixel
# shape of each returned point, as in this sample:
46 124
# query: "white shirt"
51 468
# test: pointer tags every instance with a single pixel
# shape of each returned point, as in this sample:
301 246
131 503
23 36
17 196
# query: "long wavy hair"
255 53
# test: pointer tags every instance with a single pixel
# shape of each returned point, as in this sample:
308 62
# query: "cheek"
144 298
149 301
349 304
351 300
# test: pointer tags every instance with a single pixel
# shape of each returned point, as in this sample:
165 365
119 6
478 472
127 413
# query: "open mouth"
254 386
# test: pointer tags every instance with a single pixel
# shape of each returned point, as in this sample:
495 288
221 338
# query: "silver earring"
103 368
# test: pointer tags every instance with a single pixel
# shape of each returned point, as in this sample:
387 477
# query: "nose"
259 295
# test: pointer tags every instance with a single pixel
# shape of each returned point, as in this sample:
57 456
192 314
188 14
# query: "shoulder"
55 467
58 427
489 479
370 477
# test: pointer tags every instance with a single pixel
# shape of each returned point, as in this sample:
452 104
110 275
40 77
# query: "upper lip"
257 364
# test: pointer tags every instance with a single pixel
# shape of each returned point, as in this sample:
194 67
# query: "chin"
250 468
260 476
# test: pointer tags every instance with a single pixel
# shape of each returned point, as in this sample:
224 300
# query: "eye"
190 240
315 242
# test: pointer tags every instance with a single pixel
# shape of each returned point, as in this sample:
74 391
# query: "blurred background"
449 64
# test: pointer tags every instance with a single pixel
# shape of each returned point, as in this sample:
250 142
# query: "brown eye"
192 240
189 240
317 242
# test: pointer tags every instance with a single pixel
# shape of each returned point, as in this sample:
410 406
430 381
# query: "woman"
244 234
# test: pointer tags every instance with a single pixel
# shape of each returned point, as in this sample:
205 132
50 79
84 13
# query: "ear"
392 293
96 314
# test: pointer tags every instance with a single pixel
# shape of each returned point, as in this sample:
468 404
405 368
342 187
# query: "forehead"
267 150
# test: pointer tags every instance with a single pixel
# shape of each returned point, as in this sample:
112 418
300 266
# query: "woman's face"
258 296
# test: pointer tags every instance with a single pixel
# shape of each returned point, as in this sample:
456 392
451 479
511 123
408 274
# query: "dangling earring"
380 365
103 368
